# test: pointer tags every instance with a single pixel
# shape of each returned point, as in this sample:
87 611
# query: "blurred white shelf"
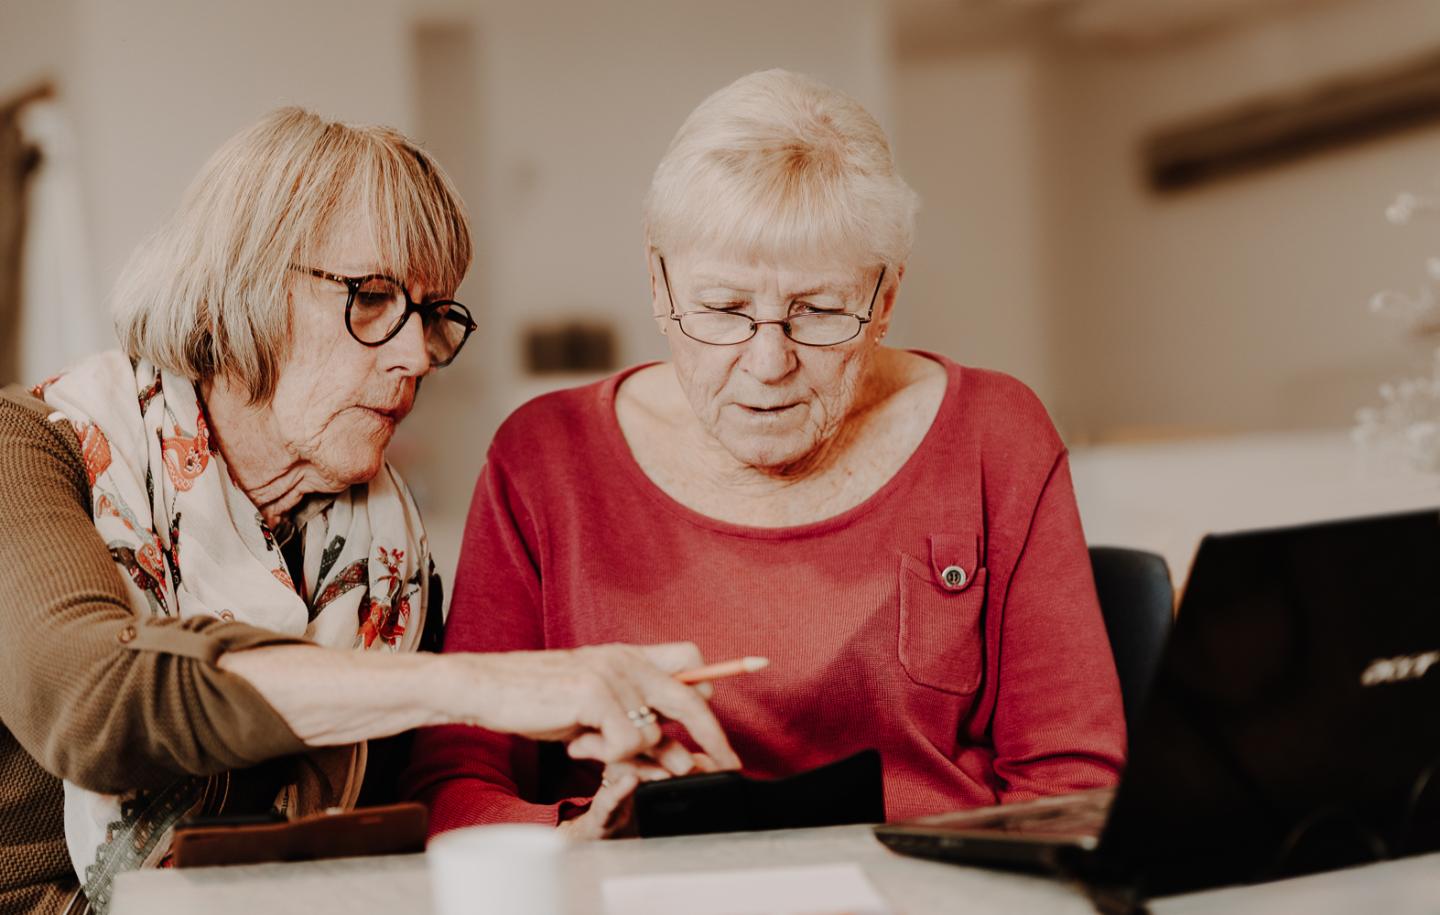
1165 496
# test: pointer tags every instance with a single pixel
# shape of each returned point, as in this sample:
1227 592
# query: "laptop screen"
1294 723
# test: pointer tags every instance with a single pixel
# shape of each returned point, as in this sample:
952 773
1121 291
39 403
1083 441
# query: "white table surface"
360 886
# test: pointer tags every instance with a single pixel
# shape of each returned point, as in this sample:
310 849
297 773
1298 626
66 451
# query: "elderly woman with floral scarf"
212 583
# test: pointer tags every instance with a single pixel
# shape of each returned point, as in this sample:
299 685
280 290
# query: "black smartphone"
849 790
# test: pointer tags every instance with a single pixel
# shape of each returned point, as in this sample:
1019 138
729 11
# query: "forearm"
330 697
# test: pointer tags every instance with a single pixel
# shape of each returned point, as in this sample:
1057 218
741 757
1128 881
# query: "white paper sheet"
829 889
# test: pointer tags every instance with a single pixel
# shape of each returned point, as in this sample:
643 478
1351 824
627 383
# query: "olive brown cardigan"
89 691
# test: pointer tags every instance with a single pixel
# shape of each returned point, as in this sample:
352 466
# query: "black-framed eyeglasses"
727 328
378 306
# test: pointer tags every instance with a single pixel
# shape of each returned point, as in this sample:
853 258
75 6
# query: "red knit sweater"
1001 689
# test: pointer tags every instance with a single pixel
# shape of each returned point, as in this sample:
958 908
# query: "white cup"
510 869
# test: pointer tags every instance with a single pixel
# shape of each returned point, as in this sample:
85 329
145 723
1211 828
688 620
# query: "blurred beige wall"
35 36
1240 305
158 85
971 140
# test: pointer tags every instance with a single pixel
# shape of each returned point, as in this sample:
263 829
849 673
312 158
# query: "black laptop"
1293 725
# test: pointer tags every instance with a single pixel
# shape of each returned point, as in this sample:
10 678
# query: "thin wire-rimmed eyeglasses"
727 328
378 306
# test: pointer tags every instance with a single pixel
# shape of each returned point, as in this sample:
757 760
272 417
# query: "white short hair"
778 166
207 294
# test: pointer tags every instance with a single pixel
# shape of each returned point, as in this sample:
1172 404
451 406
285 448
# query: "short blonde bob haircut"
208 294
779 167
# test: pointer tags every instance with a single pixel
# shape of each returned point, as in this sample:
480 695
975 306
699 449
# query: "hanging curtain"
18 159
61 321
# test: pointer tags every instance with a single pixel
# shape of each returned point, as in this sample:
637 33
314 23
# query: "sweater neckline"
901 480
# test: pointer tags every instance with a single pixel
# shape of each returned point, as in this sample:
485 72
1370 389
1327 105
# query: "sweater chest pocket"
942 611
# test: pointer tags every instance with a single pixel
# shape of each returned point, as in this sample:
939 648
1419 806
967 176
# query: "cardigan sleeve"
97 694
468 775
1059 725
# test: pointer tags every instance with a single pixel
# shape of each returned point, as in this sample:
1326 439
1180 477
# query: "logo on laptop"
1404 667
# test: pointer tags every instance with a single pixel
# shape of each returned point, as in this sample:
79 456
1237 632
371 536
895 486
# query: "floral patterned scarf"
188 542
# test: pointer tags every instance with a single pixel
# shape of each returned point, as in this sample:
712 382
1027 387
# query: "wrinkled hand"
612 810
582 697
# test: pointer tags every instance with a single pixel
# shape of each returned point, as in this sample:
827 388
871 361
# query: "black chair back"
1138 603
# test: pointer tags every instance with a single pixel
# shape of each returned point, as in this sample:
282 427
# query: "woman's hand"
612 810
594 699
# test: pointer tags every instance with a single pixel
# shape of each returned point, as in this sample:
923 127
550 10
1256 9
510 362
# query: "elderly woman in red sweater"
896 532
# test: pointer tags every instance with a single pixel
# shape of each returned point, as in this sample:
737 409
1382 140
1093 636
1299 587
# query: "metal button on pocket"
954 577
941 638
127 635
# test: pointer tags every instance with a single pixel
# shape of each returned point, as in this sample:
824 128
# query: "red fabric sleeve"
1059 723
468 775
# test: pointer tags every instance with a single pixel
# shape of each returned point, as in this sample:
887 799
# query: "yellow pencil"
746 665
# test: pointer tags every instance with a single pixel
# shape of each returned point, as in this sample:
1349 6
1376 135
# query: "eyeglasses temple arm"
874 295
665 277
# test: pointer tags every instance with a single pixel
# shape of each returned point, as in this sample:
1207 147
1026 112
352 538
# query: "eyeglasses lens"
717 327
725 328
446 328
823 330
380 306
